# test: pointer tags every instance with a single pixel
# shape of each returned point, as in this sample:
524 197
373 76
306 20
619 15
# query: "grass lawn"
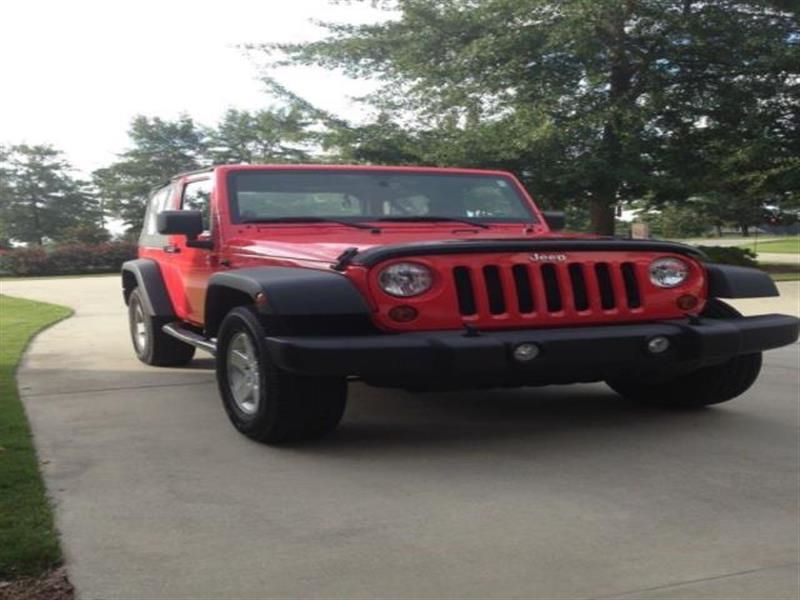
28 277
790 245
28 540
785 276
781 272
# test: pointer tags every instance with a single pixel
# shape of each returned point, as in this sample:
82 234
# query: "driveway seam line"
692 581
114 389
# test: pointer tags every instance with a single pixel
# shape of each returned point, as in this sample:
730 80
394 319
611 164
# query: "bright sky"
74 72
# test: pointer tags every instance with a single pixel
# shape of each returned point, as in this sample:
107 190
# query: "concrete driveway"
561 492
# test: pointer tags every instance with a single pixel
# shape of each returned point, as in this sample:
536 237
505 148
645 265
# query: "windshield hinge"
344 259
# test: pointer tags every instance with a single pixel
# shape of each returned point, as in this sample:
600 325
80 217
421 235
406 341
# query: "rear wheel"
706 386
153 346
265 402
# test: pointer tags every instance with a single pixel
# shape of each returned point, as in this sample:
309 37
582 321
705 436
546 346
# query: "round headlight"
405 279
668 272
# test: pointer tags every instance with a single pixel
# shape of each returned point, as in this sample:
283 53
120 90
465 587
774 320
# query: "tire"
703 387
153 346
264 402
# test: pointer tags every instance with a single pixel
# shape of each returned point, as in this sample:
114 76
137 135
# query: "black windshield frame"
527 213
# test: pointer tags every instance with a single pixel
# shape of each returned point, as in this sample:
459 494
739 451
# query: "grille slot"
603 274
631 285
522 284
551 291
579 293
494 290
466 296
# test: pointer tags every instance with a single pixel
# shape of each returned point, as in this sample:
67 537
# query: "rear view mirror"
555 219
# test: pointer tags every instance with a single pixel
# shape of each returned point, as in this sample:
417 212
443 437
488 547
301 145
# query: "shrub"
24 261
67 259
730 255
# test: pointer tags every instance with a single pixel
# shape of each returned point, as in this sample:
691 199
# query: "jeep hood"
328 244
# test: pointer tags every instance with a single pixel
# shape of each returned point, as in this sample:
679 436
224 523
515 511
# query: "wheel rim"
243 373
139 328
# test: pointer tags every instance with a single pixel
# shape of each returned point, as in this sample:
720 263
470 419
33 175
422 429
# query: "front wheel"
265 402
703 387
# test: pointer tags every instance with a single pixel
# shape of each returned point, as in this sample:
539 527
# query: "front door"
196 265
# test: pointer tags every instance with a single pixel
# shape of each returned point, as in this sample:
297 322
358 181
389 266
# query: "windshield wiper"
311 220
432 219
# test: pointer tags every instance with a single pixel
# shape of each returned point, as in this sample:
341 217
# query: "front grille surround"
519 290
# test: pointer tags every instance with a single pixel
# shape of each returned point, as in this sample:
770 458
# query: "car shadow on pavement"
388 418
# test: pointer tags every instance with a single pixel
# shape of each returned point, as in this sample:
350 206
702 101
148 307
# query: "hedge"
67 259
730 255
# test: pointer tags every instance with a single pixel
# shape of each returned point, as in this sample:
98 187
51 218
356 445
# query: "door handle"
171 249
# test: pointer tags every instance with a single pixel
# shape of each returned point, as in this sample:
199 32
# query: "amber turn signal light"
687 302
403 314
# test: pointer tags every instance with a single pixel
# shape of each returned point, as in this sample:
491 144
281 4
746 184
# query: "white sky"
74 72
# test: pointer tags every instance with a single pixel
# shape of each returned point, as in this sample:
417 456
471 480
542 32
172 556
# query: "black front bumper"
566 354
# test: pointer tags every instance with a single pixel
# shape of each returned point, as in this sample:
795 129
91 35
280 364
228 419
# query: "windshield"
374 195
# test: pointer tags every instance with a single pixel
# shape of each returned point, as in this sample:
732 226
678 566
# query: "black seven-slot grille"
546 288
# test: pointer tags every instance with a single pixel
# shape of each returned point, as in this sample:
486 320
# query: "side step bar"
188 336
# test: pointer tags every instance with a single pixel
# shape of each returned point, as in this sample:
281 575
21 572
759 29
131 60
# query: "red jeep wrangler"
302 278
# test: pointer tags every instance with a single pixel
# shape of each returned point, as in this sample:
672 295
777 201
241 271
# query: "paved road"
564 492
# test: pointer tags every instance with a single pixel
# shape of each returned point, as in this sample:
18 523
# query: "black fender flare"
285 294
145 274
728 281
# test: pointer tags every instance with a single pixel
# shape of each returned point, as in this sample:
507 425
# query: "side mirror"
555 219
183 222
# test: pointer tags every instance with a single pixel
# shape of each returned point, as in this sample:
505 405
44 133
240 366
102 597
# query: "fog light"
526 352
658 344
687 302
403 314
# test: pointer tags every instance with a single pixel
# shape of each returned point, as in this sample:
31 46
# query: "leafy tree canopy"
589 100
40 200
162 148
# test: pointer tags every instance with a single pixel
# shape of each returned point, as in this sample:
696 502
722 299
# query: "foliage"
28 539
84 234
67 259
160 149
597 101
677 221
262 136
730 255
39 198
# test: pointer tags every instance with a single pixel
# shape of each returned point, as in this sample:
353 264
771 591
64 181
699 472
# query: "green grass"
785 276
28 539
789 245
781 272
29 277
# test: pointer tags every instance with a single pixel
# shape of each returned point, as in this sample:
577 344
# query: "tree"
160 149
276 135
597 100
39 198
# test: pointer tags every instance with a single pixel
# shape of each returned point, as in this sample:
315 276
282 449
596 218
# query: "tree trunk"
602 217
37 225
607 187
745 229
